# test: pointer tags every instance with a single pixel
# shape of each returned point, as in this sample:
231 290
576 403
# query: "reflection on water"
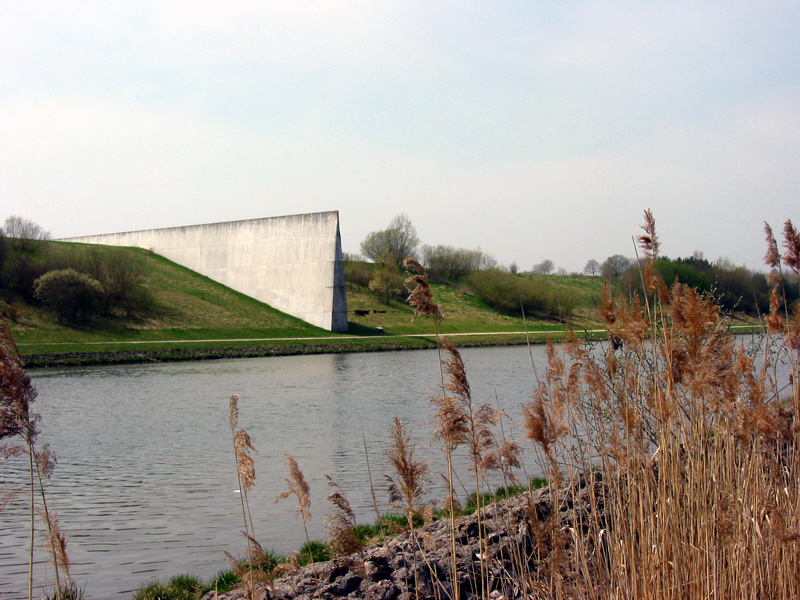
146 483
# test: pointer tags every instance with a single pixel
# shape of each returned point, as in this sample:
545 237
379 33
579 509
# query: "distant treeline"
732 288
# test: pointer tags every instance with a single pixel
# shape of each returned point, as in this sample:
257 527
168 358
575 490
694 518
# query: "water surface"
146 484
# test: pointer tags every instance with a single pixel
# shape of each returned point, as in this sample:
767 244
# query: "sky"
532 130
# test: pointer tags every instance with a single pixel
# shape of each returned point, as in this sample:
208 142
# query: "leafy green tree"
396 243
671 270
71 295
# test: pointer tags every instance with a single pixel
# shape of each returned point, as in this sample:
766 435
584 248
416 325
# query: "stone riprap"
292 263
406 567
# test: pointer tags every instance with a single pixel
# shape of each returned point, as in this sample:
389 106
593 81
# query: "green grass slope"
190 309
464 312
186 305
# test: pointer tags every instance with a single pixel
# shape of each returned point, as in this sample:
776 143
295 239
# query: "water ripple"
145 480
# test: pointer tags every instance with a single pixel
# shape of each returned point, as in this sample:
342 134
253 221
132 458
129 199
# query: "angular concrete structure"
292 263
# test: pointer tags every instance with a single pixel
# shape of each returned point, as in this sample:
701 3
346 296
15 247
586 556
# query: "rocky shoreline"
420 565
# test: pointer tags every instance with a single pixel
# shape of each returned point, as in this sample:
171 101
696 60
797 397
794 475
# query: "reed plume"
17 419
420 296
791 242
342 522
298 488
407 488
698 452
243 446
469 425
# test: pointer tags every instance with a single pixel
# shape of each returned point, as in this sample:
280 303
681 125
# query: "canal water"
146 484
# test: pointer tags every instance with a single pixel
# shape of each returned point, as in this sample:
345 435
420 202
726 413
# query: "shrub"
387 283
507 292
446 263
72 295
357 273
12 310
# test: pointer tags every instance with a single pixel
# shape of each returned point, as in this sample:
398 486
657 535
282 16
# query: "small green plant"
68 592
179 587
154 591
313 552
223 581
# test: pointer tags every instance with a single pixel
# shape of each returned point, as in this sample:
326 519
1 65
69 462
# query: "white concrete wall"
292 263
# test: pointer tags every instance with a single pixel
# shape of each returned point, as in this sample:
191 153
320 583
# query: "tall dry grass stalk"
695 442
17 420
243 447
450 425
459 422
298 488
407 488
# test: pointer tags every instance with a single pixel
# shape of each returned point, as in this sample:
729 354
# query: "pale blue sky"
531 129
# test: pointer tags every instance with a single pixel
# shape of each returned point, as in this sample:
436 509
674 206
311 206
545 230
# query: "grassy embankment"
195 317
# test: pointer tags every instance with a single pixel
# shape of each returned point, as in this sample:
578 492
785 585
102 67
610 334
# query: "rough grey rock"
394 570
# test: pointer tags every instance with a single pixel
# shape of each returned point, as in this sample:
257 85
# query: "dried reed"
698 451
246 475
298 488
17 419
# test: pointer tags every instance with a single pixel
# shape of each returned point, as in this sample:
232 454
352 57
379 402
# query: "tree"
21 232
592 267
544 268
17 227
70 294
614 266
393 244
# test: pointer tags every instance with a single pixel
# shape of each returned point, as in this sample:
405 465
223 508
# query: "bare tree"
393 244
446 263
544 268
592 267
20 228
